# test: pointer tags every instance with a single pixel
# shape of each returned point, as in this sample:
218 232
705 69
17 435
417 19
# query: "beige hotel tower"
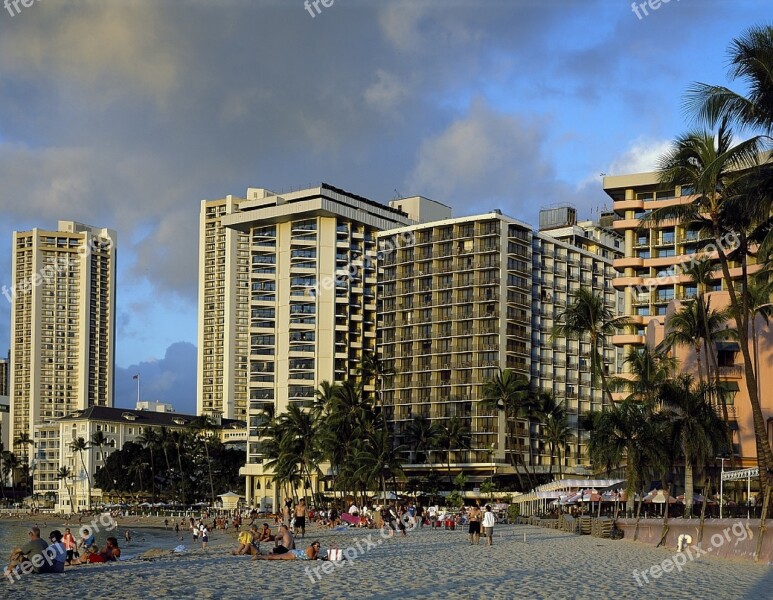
287 299
62 323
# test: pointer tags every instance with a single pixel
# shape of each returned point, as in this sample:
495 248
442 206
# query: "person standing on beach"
69 545
420 514
474 529
204 535
488 523
300 517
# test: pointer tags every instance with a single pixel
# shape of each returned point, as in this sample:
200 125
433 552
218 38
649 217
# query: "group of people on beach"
40 556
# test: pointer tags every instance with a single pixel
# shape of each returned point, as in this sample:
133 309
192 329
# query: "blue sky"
127 114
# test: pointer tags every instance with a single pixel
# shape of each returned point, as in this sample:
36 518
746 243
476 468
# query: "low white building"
53 440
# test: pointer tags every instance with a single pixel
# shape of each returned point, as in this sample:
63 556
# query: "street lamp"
721 485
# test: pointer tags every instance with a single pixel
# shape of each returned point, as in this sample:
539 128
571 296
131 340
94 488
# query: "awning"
728 347
729 386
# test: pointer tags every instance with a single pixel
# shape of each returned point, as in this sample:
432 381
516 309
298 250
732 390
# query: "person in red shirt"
69 545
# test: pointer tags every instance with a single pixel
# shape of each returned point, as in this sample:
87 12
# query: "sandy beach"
425 564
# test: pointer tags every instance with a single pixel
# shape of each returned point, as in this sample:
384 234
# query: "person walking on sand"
488 523
300 517
204 535
474 529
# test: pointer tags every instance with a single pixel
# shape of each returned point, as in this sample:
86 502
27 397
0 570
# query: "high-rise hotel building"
287 300
62 323
224 296
654 284
569 255
455 305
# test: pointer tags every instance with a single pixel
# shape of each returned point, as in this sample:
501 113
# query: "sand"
425 564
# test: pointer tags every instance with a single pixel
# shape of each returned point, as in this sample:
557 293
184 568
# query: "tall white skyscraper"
62 323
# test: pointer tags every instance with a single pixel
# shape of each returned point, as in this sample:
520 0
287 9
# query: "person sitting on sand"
87 540
25 557
92 555
247 544
265 534
284 542
311 553
111 552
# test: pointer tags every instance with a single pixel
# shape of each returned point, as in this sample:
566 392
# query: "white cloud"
484 154
387 92
642 156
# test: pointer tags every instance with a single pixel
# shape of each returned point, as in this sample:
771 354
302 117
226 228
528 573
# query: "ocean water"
14 534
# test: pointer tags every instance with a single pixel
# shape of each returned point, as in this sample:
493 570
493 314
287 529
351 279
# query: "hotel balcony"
731 372
624 224
624 339
624 282
633 261
622 205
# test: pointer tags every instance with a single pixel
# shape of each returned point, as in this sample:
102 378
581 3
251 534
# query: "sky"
126 114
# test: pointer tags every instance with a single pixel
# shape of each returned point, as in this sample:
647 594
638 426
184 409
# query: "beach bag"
335 554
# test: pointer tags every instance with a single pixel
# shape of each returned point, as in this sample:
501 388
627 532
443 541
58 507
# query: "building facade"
53 439
62 323
302 296
455 305
654 285
568 255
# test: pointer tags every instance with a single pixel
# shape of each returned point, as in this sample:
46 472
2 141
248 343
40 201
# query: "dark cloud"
127 114
171 379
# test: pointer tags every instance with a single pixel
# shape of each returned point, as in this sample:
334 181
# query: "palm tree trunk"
182 475
88 481
689 488
706 490
764 451
700 364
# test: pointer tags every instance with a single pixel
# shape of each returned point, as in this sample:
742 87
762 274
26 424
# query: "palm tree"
379 460
588 317
202 427
24 440
299 440
628 433
177 439
509 392
98 440
149 439
649 369
696 430
557 433
423 436
80 445
375 368
10 463
715 167
64 473
751 61
454 435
